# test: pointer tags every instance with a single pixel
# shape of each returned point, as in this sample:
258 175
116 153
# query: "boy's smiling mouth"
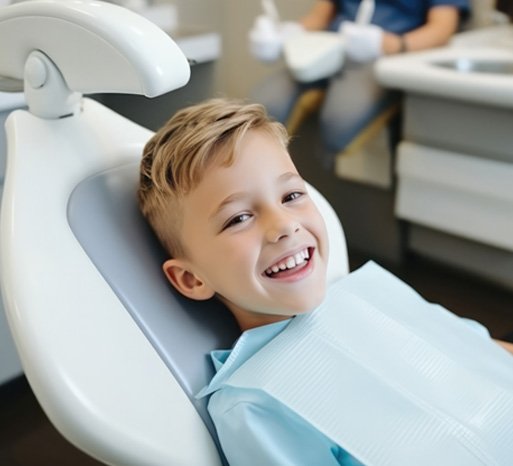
289 264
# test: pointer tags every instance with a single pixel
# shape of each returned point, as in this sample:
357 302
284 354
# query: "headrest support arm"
97 46
46 92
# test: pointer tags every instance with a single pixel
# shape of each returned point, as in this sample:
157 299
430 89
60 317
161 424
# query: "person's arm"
506 345
319 17
442 22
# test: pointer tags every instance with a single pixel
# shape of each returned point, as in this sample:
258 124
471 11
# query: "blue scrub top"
397 16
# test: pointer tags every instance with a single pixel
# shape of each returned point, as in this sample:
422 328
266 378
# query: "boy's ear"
185 281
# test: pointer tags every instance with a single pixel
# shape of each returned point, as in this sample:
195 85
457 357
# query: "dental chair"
10 366
113 354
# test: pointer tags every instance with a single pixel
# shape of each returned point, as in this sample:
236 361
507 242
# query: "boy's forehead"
257 147
260 156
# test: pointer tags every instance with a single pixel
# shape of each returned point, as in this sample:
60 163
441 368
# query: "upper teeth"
289 262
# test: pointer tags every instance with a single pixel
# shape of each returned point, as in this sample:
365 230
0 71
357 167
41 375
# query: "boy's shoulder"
227 362
229 399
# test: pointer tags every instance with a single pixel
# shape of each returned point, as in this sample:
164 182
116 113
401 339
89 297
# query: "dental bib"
391 378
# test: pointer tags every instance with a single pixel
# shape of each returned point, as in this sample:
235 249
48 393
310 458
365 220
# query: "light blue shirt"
253 428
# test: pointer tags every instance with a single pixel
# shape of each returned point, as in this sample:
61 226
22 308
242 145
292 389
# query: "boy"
301 387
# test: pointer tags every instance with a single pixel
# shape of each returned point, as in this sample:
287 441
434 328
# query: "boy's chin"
309 304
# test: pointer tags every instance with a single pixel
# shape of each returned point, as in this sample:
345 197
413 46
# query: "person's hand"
266 38
363 41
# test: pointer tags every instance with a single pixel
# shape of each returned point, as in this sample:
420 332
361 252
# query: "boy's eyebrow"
228 200
288 176
234 197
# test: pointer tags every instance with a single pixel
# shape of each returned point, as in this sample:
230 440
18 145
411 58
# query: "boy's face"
253 236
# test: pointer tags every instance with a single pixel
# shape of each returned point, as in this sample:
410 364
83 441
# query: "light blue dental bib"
391 378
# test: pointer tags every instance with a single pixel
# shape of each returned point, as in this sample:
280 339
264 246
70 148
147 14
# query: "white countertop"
418 72
198 46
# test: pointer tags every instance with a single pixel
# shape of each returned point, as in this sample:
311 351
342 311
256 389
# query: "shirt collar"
228 361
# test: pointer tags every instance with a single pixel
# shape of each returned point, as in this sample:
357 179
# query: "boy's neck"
248 320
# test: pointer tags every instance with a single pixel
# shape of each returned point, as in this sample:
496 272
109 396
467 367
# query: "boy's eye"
236 220
292 196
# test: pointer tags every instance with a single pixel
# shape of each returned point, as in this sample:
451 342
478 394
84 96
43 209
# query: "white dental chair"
112 353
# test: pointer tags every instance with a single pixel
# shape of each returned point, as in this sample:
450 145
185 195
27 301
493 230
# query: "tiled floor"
28 439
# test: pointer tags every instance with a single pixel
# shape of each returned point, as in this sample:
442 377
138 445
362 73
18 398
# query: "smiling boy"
250 218
360 380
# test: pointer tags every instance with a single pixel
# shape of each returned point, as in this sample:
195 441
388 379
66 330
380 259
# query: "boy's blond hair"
177 157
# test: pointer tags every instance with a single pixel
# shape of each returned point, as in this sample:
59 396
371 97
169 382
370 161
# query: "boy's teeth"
289 263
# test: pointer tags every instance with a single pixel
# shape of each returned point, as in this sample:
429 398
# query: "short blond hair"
176 158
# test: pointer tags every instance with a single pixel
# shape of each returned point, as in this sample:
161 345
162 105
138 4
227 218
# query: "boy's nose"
281 226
